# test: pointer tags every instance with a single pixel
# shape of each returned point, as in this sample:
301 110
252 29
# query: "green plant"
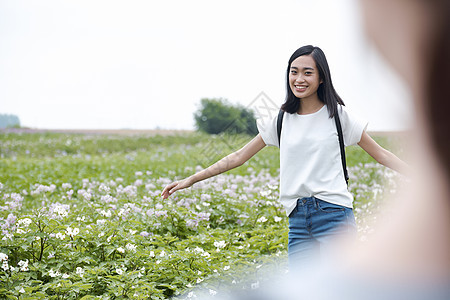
217 115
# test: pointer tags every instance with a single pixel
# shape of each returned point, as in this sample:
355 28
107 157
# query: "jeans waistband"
305 200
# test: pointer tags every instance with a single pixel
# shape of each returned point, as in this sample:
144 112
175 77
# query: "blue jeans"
313 226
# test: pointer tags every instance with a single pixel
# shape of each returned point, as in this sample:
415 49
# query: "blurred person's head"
414 36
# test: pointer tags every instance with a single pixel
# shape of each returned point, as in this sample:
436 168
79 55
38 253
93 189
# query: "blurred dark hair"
437 103
325 92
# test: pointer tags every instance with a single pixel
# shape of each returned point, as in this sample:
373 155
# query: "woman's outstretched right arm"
229 162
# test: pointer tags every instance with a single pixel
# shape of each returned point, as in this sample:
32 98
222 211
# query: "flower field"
81 216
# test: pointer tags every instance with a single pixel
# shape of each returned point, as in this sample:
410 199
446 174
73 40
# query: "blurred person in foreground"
408 257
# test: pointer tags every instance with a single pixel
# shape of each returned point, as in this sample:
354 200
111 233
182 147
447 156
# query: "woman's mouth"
300 88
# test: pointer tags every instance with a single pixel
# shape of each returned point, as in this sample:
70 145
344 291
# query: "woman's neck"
309 105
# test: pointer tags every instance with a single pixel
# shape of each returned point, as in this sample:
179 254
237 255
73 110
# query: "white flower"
80 271
101 234
105 213
60 211
277 219
3 257
119 271
104 188
162 253
72 232
132 232
255 285
120 250
60 236
101 222
199 280
7 236
152 254
262 219
199 250
131 247
22 290
220 244
23 264
52 273
226 268
25 222
65 276
212 292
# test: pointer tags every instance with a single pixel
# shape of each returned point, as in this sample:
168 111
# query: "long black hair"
325 92
437 105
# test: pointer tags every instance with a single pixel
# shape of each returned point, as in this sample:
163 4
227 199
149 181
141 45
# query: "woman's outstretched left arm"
382 155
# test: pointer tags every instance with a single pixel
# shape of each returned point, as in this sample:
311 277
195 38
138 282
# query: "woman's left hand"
175 186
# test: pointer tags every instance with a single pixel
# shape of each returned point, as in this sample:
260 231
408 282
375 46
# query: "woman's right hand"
175 186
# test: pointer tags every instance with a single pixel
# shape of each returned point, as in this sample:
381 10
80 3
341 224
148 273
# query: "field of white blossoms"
81 216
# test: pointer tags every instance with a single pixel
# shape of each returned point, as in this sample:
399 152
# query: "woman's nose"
299 79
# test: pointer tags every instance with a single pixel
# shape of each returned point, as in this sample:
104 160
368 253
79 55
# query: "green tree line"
8 121
216 116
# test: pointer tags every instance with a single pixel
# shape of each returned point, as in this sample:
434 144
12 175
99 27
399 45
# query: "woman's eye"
308 73
293 72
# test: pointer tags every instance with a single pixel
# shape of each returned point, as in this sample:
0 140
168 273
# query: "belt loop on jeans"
316 203
299 203
302 201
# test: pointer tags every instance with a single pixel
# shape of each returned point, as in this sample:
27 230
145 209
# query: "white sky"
147 64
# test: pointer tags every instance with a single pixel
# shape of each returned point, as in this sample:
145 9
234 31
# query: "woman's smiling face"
304 77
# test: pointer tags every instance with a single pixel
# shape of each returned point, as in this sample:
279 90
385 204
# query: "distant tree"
218 115
8 121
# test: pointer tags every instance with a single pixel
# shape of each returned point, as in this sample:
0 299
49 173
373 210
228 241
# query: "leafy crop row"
82 218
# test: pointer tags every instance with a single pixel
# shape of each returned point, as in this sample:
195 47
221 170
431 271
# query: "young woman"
313 189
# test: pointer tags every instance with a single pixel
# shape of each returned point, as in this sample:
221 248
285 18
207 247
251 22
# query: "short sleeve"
267 128
352 126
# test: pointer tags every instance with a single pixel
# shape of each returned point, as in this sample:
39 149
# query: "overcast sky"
146 64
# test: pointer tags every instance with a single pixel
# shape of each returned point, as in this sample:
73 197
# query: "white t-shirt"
310 157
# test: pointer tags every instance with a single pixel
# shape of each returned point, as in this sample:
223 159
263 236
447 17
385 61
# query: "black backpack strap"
279 125
341 145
